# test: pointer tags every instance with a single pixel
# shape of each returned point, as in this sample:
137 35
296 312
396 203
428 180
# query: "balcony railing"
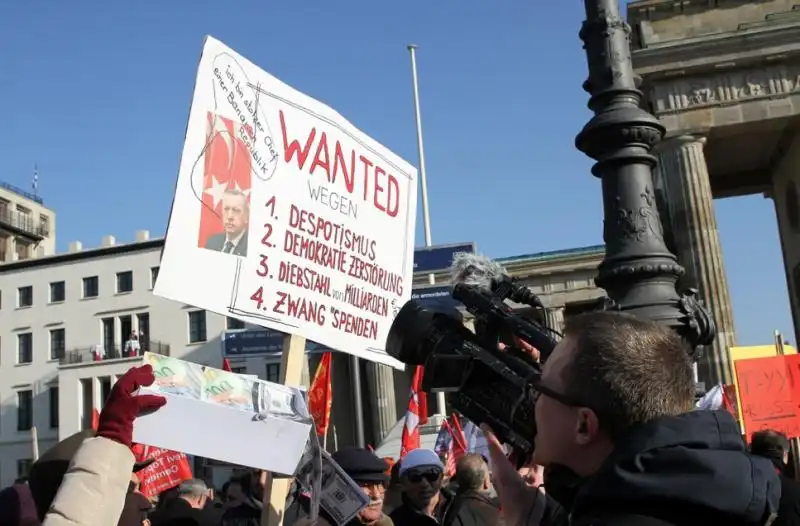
100 354
21 192
23 224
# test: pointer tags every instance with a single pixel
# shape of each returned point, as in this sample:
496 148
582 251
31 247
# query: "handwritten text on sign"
769 390
287 216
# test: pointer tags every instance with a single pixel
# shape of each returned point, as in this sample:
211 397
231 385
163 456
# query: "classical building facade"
723 77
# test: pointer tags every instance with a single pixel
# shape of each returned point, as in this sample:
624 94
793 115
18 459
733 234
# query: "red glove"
122 407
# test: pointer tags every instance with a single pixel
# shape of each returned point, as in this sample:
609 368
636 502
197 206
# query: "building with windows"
27 228
72 323
67 327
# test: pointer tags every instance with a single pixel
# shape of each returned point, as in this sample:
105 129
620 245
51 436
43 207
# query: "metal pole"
34 444
638 272
426 219
359 405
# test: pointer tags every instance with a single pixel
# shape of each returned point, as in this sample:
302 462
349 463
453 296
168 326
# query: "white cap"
418 458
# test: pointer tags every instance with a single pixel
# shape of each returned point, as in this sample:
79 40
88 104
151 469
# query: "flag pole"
426 218
35 443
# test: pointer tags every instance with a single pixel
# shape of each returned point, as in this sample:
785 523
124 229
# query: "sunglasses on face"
415 477
539 389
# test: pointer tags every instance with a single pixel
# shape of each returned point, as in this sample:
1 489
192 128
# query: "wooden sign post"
276 490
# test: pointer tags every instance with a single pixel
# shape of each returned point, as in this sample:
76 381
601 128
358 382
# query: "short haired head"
195 491
235 211
472 473
610 372
771 445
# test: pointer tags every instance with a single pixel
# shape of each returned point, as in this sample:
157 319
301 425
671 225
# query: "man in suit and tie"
235 220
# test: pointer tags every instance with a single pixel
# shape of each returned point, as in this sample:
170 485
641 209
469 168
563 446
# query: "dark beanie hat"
47 473
361 464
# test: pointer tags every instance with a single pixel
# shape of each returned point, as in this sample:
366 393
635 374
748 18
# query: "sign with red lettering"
769 391
169 468
287 216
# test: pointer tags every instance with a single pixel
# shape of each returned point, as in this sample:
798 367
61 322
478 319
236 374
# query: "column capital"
681 141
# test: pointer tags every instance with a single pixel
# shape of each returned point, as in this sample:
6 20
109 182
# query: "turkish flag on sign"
226 166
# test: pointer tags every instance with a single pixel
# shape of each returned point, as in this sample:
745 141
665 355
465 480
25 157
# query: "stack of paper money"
215 386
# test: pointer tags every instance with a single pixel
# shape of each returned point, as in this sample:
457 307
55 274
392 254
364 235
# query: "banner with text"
769 394
257 342
169 468
287 216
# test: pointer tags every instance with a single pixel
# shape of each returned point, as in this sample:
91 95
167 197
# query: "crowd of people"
618 444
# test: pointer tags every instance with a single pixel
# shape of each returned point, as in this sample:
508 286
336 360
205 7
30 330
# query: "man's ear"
587 427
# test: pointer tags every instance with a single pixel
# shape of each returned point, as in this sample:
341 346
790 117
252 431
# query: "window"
57 292
234 324
87 403
91 287
25 296
57 344
3 247
24 410
44 225
197 326
124 281
25 347
105 390
53 392
22 250
153 277
24 466
274 372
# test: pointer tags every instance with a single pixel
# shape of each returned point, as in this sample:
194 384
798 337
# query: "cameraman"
614 406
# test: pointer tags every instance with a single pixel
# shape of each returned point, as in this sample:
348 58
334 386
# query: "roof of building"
22 193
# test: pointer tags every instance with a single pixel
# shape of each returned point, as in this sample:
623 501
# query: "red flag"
422 396
169 469
320 395
95 419
410 438
459 440
729 400
226 365
226 167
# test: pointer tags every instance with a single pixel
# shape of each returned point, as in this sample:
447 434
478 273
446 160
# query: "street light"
638 272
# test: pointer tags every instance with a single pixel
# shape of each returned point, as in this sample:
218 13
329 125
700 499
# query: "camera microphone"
475 270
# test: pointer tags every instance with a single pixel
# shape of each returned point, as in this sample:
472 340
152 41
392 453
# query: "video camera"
485 384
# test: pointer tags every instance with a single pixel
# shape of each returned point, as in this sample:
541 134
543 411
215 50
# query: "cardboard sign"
769 394
169 468
287 216
220 415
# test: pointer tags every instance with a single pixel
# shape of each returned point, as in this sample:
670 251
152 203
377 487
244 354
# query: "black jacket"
178 511
789 508
687 470
471 508
406 515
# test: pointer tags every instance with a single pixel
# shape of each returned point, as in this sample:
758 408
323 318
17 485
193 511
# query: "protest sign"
287 216
769 394
218 414
169 468
340 496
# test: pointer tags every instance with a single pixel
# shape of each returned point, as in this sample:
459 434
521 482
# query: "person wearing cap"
423 501
189 503
366 470
87 479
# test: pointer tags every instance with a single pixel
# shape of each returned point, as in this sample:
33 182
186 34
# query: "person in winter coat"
189 503
614 404
369 472
86 479
424 501
472 505
17 507
774 447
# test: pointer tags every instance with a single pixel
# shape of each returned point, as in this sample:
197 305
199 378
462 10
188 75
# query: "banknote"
175 376
231 390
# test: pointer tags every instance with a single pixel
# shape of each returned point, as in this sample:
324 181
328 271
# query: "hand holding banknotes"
123 406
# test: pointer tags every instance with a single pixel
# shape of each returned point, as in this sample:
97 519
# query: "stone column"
555 318
684 180
380 380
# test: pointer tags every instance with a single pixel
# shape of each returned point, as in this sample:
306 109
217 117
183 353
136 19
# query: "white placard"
286 215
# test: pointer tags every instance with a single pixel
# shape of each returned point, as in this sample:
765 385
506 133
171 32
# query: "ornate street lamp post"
639 273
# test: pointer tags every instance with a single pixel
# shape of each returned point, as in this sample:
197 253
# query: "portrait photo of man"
235 222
